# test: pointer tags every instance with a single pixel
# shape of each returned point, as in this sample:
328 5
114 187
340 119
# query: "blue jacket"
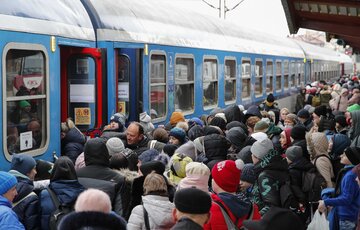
27 208
67 192
348 202
73 144
8 218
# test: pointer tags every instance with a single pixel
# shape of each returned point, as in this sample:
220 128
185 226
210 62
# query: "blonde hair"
67 125
93 200
183 125
284 109
155 183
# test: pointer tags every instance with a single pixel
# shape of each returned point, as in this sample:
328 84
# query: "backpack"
59 212
287 197
315 101
312 184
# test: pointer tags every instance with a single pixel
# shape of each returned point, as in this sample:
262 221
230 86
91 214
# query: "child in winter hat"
197 176
23 163
117 122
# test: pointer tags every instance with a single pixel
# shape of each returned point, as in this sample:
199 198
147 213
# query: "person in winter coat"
8 218
72 140
237 138
300 100
340 102
26 202
116 127
354 132
225 182
177 136
65 185
177 171
98 167
192 209
233 113
215 148
320 157
346 202
304 118
197 176
285 139
355 98
269 103
156 209
298 139
337 144
136 138
271 170
247 179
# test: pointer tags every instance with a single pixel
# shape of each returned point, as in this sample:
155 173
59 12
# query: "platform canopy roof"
338 18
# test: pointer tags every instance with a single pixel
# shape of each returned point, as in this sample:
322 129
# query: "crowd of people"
229 169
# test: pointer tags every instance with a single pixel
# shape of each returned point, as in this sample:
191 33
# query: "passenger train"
89 59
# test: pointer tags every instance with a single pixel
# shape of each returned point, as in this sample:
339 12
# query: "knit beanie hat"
161 135
150 166
226 175
219 122
114 145
261 126
261 148
7 181
245 154
293 153
270 98
192 201
320 110
120 119
196 121
22 163
144 117
178 133
303 113
353 154
237 137
353 108
148 155
341 119
176 117
248 173
298 132
197 176
340 143
259 136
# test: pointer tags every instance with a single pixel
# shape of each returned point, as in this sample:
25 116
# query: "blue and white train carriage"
91 58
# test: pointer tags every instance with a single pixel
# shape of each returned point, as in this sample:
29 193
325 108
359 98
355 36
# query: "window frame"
159 52
46 96
272 75
287 85
187 56
261 76
230 58
247 60
210 57
280 74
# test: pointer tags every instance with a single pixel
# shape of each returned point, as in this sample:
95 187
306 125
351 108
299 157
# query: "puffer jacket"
271 172
237 208
354 132
159 210
8 218
215 147
27 203
66 191
73 144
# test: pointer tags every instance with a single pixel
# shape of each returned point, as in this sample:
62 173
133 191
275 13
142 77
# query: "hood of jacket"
233 113
96 152
237 137
355 129
340 143
301 164
24 185
238 207
67 191
74 135
216 146
159 209
253 111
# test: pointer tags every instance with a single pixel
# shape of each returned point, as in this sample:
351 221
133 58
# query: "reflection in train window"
286 74
269 77
245 75
258 78
278 76
158 84
184 84
293 74
230 80
123 83
210 82
25 100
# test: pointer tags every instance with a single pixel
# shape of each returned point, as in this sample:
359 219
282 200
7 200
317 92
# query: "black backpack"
312 184
59 212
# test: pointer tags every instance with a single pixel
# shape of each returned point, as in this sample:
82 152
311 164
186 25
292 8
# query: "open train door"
129 82
82 91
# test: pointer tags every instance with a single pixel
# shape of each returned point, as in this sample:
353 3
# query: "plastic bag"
319 222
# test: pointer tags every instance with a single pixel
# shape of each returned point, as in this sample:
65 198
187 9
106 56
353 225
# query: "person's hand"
321 207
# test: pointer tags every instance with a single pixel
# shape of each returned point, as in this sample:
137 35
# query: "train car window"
158 84
26 100
293 74
286 74
258 78
298 67
123 80
278 76
269 77
302 73
184 84
230 80
210 82
245 75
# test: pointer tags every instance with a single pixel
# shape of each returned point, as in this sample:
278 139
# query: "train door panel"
81 88
129 83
